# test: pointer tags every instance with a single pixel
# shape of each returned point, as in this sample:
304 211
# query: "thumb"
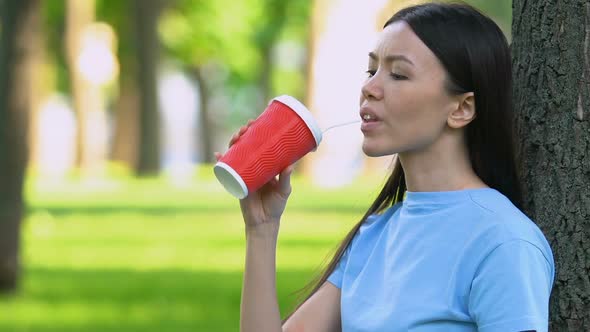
285 180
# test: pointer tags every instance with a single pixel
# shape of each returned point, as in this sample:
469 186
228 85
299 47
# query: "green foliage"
198 32
297 20
295 31
290 82
140 255
236 41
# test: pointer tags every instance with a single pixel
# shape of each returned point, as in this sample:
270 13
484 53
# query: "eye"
371 73
398 77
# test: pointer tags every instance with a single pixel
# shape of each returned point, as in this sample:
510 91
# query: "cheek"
404 112
417 106
420 117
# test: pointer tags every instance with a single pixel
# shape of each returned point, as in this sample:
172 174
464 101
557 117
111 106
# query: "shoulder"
512 268
500 222
498 213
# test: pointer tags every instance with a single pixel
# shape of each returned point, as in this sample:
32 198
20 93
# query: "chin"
374 152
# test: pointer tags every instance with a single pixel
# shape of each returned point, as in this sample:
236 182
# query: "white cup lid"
304 114
231 180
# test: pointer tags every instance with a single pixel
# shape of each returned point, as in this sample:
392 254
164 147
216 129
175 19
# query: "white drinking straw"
340 125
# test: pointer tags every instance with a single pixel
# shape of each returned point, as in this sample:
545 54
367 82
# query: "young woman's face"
404 104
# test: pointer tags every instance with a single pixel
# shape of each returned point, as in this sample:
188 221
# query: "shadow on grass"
129 300
162 211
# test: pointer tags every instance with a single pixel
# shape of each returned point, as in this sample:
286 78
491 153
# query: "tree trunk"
19 23
205 123
79 14
39 90
551 52
125 146
265 80
125 140
146 18
268 35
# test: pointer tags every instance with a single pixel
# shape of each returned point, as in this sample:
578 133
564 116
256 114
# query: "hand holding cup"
265 148
266 205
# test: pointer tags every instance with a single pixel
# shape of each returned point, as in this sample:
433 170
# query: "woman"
444 247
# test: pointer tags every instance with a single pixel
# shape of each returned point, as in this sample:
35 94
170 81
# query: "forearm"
259 307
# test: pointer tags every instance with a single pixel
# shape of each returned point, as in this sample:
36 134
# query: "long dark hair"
476 57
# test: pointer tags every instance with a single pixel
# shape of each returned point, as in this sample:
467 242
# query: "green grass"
142 255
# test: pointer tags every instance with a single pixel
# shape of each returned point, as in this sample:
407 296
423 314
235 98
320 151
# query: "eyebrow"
391 58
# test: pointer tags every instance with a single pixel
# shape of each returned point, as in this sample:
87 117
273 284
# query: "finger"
233 139
250 122
242 130
290 169
270 185
217 156
285 180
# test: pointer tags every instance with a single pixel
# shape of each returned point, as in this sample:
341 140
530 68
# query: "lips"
368 115
369 118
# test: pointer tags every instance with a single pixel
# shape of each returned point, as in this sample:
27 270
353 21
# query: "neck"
442 166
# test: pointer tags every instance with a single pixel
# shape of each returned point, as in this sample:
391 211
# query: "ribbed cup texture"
276 139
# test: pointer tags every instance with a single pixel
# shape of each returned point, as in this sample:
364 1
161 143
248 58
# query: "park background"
124 227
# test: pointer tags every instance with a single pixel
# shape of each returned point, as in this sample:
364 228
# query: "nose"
372 89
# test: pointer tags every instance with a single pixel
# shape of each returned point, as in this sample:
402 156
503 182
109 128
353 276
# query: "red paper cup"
284 133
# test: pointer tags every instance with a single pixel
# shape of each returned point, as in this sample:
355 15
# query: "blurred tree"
551 61
234 51
40 87
137 119
291 51
19 24
125 144
145 15
206 126
268 30
206 36
54 26
78 15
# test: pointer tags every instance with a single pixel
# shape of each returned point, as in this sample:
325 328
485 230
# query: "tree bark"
146 19
19 24
551 53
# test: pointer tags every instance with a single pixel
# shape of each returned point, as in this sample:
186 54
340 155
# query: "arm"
510 291
321 312
259 307
259 310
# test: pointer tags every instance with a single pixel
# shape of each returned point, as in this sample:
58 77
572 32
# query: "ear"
464 112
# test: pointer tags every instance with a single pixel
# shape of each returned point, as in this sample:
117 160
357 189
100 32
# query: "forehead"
399 39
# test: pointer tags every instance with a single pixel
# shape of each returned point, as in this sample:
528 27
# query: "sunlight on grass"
141 255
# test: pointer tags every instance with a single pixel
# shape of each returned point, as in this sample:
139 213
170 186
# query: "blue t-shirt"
452 261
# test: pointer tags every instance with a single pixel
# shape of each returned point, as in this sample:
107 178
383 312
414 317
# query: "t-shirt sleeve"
510 291
336 276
